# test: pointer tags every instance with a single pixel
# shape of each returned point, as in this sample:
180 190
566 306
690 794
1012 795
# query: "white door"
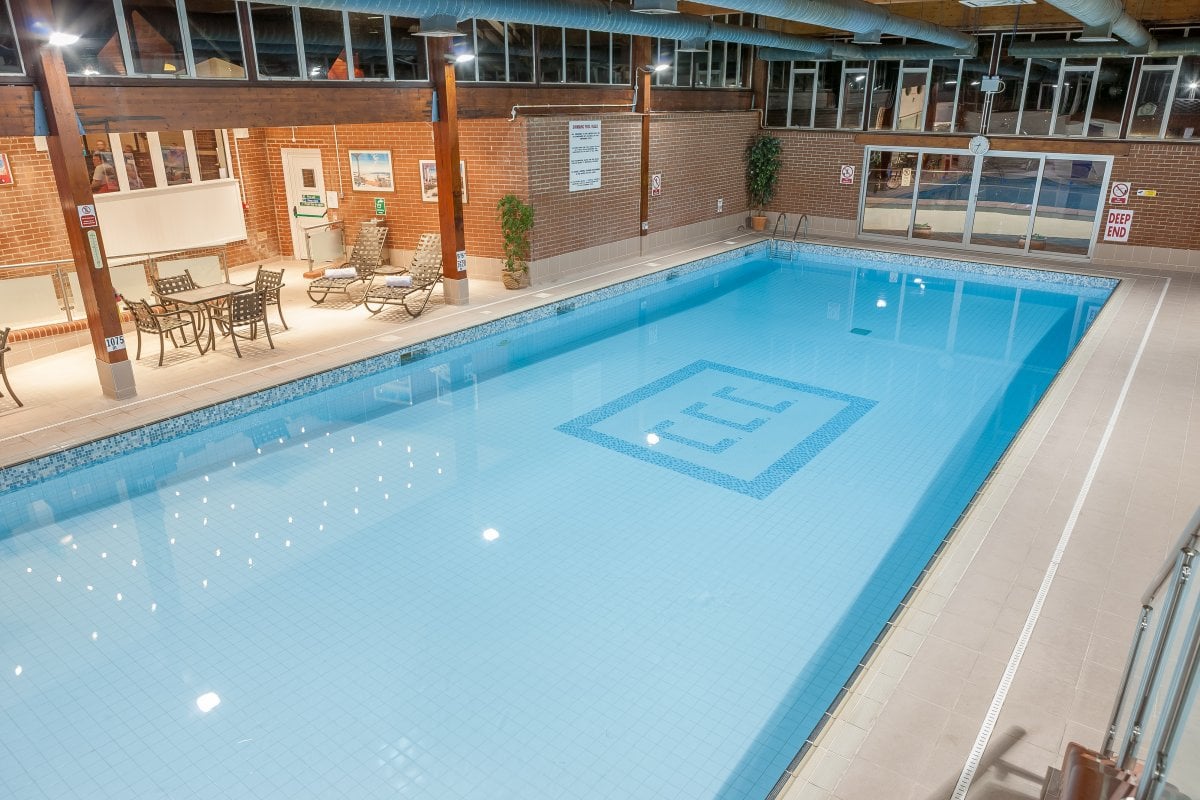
304 182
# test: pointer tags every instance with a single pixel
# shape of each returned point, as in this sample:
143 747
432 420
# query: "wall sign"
94 246
380 206
847 175
6 176
114 343
584 148
1117 225
460 259
1118 193
656 185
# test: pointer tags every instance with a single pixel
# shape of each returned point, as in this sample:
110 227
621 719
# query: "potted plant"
922 230
763 161
516 220
1036 242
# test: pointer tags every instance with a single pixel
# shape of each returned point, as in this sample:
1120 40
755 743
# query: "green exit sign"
380 208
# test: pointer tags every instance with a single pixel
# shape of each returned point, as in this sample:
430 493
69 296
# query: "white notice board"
585 155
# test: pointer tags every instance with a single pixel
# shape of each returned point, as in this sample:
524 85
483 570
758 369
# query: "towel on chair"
341 272
398 281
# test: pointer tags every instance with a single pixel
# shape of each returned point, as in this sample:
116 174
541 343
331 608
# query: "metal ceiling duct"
863 19
881 53
1169 47
1102 16
594 15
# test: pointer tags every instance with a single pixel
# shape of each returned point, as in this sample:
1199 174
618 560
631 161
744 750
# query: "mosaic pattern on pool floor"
737 429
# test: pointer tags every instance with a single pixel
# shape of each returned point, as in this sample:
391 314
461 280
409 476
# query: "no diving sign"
1117 224
1118 193
87 216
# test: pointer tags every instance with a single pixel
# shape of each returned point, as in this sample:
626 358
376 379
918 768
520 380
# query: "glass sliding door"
1070 193
889 185
1007 185
943 194
999 201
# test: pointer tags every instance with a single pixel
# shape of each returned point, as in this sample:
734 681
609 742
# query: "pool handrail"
1173 679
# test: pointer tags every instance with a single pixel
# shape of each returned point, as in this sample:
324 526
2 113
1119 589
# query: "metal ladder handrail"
802 221
782 218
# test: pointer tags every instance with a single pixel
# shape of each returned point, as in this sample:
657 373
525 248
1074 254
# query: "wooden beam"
641 80
73 180
446 158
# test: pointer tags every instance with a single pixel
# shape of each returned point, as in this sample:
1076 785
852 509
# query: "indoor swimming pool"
630 545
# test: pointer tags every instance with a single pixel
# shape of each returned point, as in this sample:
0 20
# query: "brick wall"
808 183
31 220
701 159
566 221
493 151
1169 219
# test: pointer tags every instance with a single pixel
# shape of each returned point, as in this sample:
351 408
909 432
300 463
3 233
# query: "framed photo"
429 192
371 171
6 176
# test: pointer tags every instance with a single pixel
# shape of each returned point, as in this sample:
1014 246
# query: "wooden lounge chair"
163 322
425 273
366 256
4 348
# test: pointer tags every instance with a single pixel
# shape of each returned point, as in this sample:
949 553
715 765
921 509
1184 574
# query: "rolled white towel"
398 281
341 272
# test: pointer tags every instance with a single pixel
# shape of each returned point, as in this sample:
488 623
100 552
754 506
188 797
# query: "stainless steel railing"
1153 721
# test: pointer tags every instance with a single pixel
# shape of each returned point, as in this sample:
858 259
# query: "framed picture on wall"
371 171
6 176
429 192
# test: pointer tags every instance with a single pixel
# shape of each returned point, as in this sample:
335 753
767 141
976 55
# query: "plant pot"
922 233
515 279
758 222
1036 244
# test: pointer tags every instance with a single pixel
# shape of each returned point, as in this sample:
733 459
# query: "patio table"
207 296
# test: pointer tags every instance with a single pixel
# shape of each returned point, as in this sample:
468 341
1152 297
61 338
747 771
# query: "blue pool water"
706 499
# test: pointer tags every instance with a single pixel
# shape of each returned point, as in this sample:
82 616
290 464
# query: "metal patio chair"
177 283
240 311
269 282
4 348
162 323
365 258
425 272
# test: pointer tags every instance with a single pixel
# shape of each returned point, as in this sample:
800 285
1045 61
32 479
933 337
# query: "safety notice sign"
847 175
1118 193
87 217
1117 225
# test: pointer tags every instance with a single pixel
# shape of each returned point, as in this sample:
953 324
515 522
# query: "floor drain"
860 331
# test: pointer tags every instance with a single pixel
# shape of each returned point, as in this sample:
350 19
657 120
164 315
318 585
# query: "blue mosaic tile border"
38 469
760 485
944 267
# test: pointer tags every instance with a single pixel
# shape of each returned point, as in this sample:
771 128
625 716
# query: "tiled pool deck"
906 728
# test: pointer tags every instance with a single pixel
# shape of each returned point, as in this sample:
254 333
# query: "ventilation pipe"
881 53
1102 18
592 15
1168 47
863 19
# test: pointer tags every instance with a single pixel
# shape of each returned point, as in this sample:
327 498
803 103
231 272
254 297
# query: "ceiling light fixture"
438 25
62 38
654 7
995 3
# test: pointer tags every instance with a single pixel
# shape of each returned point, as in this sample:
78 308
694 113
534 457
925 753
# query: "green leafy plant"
516 221
764 159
